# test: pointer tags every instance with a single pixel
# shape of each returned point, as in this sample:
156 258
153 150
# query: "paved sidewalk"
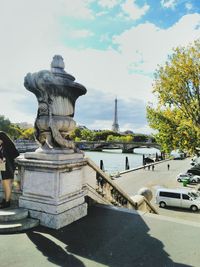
133 181
106 237
161 177
111 237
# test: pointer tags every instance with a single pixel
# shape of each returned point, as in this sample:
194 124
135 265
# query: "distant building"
81 127
115 126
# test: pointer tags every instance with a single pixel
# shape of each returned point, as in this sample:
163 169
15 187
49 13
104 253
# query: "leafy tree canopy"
28 134
177 87
14 130
11 129
4 124
107 135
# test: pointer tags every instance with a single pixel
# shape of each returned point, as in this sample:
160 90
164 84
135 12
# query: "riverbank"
132 181
146 167
114 160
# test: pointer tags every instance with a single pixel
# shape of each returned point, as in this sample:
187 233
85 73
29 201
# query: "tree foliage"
4 124
177 114
106 135
123 138
14 130
28 134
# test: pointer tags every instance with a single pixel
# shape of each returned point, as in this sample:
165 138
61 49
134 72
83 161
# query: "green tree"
140 137
28 134
87 135
177 87
129 138
102 135
4 124
75 133
110 138
14 131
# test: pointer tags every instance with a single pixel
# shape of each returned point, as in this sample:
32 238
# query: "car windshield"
193 195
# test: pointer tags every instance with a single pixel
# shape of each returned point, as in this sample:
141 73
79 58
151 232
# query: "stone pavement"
110 236
131 182
106 237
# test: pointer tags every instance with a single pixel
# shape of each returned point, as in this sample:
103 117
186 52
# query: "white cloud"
169 3
102 13
27 30
107 71
100 124
107 125
189 6
108 3
75 8
133 10
104 37
145 46
9 108
30 36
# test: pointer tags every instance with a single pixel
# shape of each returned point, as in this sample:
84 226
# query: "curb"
142 167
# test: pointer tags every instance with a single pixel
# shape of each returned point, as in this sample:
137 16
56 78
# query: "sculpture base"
54 220
54 157
52 188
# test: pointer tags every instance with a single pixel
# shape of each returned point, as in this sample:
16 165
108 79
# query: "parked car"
188 176
195 179
195 160
194 193
195 170
177 198
183 176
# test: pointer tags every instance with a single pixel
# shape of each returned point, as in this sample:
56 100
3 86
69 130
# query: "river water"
114 160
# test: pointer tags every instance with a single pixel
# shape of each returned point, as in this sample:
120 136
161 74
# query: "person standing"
8 153
168 166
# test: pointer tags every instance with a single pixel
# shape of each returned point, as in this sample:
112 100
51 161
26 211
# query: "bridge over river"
126 147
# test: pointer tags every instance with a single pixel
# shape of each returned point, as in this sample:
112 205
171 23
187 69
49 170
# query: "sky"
112 47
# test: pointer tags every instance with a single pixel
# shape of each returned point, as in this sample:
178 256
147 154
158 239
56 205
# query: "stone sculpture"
146 192
56 93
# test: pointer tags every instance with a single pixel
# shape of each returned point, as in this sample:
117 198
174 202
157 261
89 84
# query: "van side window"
184 196
169 194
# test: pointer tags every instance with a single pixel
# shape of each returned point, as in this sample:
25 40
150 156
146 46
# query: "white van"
177 198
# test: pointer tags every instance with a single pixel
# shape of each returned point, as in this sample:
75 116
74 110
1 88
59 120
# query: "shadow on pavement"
52 251
105 236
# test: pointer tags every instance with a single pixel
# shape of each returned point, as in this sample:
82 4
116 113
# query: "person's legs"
7 189
7 192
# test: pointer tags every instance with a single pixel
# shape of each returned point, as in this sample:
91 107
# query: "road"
161 177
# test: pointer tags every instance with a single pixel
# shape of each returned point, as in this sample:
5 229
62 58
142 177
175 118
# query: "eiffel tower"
115 126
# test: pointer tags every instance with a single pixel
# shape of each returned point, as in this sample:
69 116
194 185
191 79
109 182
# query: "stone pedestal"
52 187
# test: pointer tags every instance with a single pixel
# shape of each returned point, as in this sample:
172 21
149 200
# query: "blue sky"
113 47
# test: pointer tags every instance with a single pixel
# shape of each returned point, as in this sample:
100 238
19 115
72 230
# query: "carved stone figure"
56 92
146 192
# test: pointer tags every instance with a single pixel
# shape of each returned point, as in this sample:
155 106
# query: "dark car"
195 170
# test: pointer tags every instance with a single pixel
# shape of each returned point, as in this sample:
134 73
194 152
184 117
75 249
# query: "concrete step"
18 226
13 214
